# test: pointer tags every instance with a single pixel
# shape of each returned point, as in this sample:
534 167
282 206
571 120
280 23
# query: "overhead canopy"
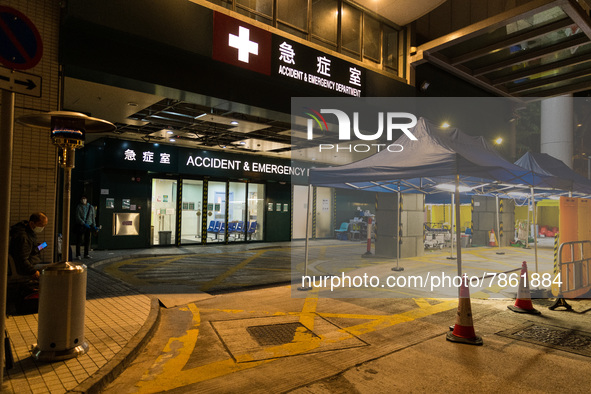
542 165
436 157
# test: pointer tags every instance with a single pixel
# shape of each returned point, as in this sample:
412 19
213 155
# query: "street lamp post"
62 285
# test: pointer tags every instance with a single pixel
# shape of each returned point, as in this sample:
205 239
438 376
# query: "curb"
113 368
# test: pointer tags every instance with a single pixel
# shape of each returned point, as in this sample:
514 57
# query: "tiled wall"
34 164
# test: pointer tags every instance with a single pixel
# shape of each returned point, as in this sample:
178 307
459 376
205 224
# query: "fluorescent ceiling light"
448 187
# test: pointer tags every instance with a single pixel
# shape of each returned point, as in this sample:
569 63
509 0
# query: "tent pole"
397 268
498 226
527 230
533 204
451 232
306 243
458 243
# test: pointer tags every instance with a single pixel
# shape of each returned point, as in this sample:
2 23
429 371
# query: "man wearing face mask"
85 220
24 246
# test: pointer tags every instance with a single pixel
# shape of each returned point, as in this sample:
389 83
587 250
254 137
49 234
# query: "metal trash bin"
62 299
164 237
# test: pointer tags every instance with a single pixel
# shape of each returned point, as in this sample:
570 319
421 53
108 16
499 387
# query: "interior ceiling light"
448 187
172 140
200 116
234 122
445 125
169 132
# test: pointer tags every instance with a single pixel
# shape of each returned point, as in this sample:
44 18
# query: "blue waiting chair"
341 232
221 230
252 228
215 229
239 230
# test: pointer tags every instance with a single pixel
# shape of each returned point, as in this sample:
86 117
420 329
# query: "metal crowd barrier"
575 274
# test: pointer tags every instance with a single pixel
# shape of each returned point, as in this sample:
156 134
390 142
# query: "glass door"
256 212
237 212
192 212
216 212
164 211
324 212
300 210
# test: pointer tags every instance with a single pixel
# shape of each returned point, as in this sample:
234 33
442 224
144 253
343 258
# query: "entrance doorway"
164 209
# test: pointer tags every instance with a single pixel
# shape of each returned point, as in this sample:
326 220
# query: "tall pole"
6 134
533 205
458 244
498 225
451 231
67 162
306 243
398 233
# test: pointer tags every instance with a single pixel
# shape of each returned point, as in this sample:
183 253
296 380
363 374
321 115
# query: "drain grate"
573 341
277 334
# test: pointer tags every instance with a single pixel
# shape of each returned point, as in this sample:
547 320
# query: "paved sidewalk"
118 320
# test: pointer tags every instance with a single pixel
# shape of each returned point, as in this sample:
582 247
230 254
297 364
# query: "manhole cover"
568 340
277 334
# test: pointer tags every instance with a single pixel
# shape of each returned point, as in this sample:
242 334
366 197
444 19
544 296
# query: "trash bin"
62 299
164 237
465 240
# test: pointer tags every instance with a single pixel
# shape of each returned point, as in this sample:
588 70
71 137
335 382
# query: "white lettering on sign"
239 165
129 155
164 158
287 53
287 56
208 162
148 157
354 76
323 65
243 44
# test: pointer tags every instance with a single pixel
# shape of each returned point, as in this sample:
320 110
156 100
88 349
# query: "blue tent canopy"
435 158
543 165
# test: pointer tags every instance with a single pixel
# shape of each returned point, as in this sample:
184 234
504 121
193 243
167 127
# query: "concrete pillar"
557 128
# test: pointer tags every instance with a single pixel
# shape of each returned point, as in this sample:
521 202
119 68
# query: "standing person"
23 247
85 222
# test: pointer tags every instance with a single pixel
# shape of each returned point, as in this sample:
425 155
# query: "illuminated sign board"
171 159
301 63
241 44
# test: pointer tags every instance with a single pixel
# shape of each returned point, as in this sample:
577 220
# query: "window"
260 10
324 23
256 212
293 13
371 38
351 29
390 48
216 212
192 212
237 212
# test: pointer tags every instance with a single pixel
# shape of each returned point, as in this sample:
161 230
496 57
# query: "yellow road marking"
220 278
169 366
131 278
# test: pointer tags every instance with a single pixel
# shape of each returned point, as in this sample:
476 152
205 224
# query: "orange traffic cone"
492 240
523 302
463 331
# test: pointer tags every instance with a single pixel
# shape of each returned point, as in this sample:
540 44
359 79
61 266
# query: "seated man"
24 246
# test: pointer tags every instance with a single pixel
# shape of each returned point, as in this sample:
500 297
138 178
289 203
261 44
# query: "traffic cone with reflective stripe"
463 331
523 302
492 240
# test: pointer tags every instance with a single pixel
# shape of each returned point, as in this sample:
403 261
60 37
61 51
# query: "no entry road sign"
20 42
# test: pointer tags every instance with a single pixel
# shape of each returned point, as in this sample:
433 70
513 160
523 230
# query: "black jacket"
23 248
